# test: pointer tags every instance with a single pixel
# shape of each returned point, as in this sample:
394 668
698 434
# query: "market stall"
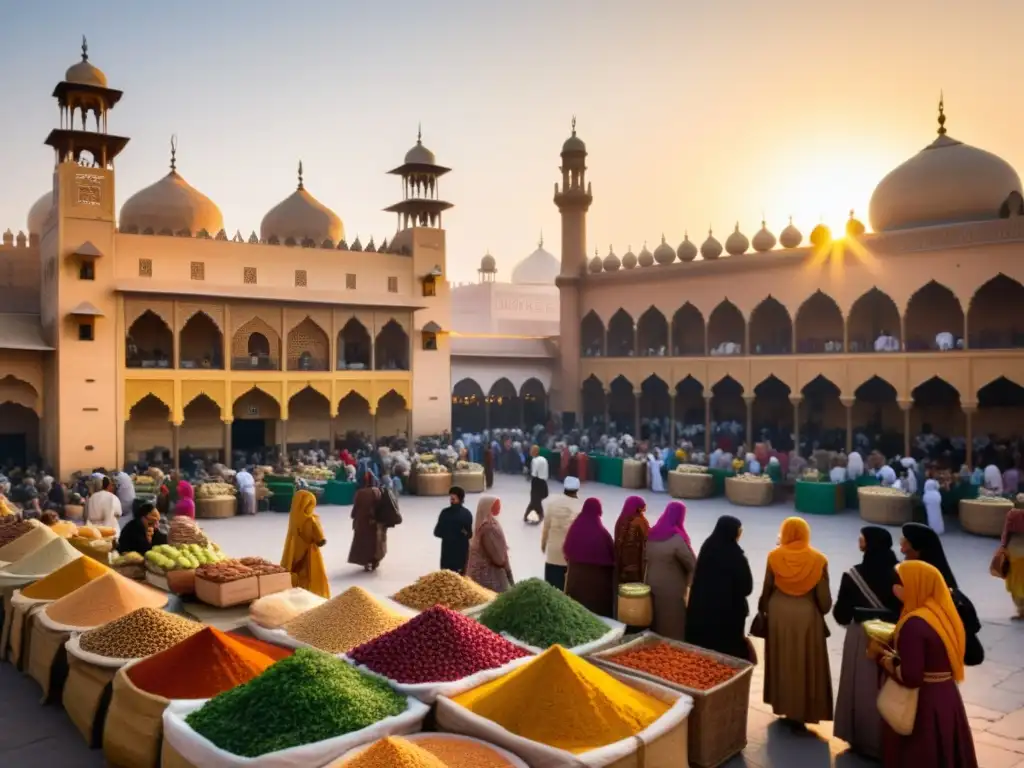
432 479
469 476
690 481
985 515
814 496
748 490
882 505
216 500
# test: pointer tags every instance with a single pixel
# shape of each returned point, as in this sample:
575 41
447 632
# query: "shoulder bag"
897 705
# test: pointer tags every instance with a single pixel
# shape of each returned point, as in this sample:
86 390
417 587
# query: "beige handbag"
897 705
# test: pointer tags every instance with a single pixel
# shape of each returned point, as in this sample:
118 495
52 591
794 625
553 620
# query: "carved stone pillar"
905 406
848 402
969 409
795 400
707 422
749 436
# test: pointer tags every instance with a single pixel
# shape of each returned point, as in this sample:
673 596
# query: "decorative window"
249 275
429 341
350 282
145 267
85 332
392 285
86 271
300 278
198 270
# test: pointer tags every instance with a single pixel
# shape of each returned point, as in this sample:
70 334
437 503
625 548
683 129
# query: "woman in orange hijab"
302 546
928 654
795 599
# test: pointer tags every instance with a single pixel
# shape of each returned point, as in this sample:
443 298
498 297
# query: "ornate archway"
1000 409
622 406
936 415
503 406
149 342
934 320
877 416
873 316
256 346
354 419
309 348
772 414
594 403
993 318
652 334
202 428
771 329
819 325
689 409
726 330
391 348
621 336
309 418
392 417
592 335
468 410
822 416
354 347
534 402
201 344
688 332
148 429
655 408
728 411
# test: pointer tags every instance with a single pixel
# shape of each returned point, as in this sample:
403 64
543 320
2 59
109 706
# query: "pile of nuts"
142 632
443 588
224 571
350 619
12 530
262 567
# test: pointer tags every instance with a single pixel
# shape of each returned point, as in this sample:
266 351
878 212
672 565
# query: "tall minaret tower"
573 199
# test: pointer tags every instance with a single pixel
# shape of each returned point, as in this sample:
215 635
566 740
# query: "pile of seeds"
443 588
460 753
536 613
11 528
103 600
305 698
438 646
66 580
339 625
392 752
677 665
140 633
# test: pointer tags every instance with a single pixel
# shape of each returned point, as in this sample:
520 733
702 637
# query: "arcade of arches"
19 422
502 407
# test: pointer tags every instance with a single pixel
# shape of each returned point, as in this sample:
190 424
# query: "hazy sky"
694 113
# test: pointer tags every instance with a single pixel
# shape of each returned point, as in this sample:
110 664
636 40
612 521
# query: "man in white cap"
559 512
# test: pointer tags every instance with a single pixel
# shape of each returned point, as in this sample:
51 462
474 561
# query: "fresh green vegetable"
307 697
536 613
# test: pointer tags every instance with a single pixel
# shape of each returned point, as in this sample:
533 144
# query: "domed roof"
737 242
300 217
84 73
419 154
38 212
539 268
854 227
821 235
629 260
646 258
611 261
686 251
791 236
596 265
574 144
711 249
664 253
171 204
488 264
764 240
947 182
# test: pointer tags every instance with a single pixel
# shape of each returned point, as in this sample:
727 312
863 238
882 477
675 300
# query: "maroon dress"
942 735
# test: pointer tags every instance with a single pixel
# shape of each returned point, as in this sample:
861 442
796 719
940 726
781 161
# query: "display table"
470 482
850 489
984 518
886 509
216 507
433 483
339 492
719 476
690 485
609 469
281 500
634 474
749 493
819 498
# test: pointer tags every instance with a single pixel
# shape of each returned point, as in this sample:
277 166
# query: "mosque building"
914 328
153 328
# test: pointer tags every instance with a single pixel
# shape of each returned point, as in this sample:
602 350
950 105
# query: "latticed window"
350 282
300 278
392 285
198 270
249 275
145 267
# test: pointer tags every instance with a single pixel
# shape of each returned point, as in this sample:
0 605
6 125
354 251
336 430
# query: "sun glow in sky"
695 114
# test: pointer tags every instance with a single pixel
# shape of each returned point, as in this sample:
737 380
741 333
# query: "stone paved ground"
994 692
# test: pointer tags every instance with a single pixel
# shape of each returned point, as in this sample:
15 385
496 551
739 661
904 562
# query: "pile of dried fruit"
140 633
339 625
303 699
461 753
224 571
536 613
676 665
262 567
11 528
215 491
438 646
443 588
184 530
392 752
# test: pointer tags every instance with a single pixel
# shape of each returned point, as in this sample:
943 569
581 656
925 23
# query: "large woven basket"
749 493
470 482
718 721
634 474
690 485
885 509
224 506
984 518
433 483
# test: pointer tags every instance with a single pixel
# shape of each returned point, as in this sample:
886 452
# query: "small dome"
710 249
737 243
629 260
596 265
664 253
611 261
300 217
488 264
854 227
419 154
539 268
39 212
84 73
791 237
646 258
171 204
686 251
764 240
821 236
574 144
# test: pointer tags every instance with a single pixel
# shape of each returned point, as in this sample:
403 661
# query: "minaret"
421 204
573 199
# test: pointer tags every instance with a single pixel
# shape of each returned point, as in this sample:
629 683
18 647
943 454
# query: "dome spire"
942 115
419 133
573 120
174 153
540 242
85 49
300 176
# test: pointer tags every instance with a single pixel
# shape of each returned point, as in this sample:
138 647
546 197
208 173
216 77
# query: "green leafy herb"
536 613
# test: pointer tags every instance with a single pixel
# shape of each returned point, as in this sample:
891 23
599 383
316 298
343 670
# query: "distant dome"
737 243
39 212
790 237
84 73
539 268
611 261
574 144
300 217
764 240
171 204
629 260
664 253
854 227
710 249
821 235
646 258
686 251
419 154
596 265
488 264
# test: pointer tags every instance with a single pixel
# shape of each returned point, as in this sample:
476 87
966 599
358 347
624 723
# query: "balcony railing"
255 363
147 363
308 363
204 364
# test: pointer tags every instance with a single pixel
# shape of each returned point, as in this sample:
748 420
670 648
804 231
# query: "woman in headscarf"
670 567
993 480
932 500
796 597
590 556
374 510
717 610
141 534
488 551
302 546
631 541
1012 545
868 587
186 505
928 652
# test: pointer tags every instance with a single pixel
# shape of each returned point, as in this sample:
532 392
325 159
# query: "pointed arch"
822 414
391 347
256 345
936 409
256 403
354 416
467 407
771 329
655 407
201 343
535 402
688 335
594 402
149 342
503 405
933 320
728 411
993 316
148 427
726 330
392 415
354 346
19 392
652 333
819 325
202 426
1000 409
621 336
592 335
772 414
309 347
622 405
872 315
689 402
877 414
19 433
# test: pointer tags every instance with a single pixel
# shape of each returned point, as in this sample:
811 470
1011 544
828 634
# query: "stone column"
848 406
331 433
636 414
607 407
795 400
707 422
175 446
905 406
283 438
522 411
749 437
672 418
969 409
227 444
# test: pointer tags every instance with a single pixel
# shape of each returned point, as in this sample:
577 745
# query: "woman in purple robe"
590 556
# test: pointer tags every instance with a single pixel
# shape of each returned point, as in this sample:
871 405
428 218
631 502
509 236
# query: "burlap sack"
135 725
5 632
170 758
48 661
22 624
86 698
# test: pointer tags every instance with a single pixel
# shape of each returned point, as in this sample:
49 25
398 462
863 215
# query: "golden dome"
764 240
629 260
39 212
646 258
711 249
947 182
664 253
611 261
821 235
170 205
596 265
854 227
301 217
737 243
84 73
791 236
686 251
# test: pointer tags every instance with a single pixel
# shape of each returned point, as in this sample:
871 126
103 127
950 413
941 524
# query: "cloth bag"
47 659
22 622
87 690
897 705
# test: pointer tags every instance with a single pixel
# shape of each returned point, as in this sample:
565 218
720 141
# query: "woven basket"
882 509
984 518
634 474
718 721
218 507
690 485
749 493
470 482
433 483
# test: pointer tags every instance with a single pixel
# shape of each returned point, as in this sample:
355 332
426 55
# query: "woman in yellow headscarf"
795 599
929 655
302 546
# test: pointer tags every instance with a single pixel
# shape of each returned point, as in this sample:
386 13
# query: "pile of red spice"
204 665
676 665
438 646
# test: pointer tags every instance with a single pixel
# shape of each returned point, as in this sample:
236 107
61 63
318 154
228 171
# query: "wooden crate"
231 593
180 582
272 583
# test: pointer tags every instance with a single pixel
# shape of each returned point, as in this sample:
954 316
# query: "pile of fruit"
261 567
167 557
224 571
431 468
537 613
746 477
469 466
443 588
214 491
129 558
880 490
144 483
691 469
677 665
315 473
96 532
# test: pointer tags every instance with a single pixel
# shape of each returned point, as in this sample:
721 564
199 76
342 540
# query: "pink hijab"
186 506
670 524
588 541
